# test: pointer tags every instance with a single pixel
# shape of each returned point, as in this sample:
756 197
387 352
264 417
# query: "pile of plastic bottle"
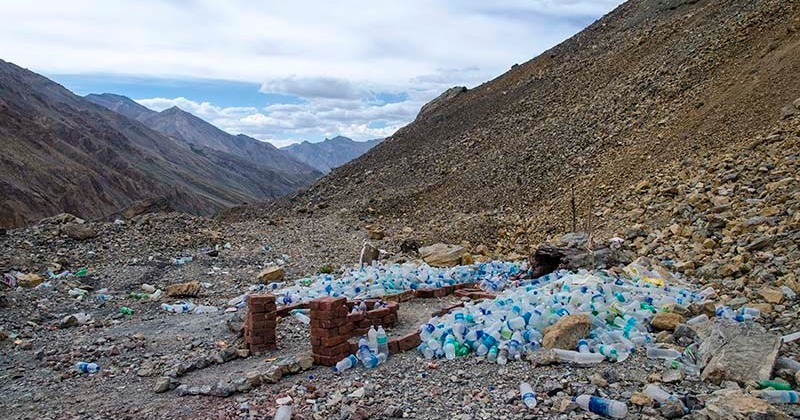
620 307
382 280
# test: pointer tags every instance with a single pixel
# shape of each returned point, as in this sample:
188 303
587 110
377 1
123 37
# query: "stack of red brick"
260 323
330 330
387 317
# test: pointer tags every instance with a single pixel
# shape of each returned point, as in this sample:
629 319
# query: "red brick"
324 332
346 329
254 339
342 348
316 341
393 346
331 342
409 341
325 360
358 332
329 303
356 317
424 293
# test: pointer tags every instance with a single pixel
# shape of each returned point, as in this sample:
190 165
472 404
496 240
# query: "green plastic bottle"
126 310
776 385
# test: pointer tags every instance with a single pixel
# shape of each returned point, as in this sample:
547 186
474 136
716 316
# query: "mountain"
329 153
61 152
183 125
121 105
645 87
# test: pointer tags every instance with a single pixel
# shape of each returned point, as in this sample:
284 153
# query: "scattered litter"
85 367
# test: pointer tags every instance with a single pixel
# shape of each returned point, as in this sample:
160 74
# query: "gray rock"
737 351
671 409
164 384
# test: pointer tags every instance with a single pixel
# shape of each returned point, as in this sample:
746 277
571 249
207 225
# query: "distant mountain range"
330 153
180 124
61 152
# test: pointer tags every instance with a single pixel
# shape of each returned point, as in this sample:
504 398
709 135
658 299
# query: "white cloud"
340 56
266 41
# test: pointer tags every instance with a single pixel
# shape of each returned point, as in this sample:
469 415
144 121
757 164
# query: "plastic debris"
778 386
346 363
528 397
85 367
780 397
382 280
126 310
619 306
602 406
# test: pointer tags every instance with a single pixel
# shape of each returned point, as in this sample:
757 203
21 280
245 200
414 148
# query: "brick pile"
260 323
330 330
387 317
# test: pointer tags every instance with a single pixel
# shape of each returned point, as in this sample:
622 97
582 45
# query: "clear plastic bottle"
655 392
528 397
602 406
346 363
85 367
303 318
492 356
659 353
780 397
449 347
178 308
579 358
383 341
372 337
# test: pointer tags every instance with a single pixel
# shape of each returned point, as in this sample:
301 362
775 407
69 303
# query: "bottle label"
598 406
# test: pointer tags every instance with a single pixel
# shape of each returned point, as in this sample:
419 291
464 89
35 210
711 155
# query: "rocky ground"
729 220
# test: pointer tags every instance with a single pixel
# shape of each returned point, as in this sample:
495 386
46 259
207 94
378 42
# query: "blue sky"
286 71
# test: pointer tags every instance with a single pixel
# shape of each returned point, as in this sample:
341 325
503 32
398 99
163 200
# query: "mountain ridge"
63 153
329 153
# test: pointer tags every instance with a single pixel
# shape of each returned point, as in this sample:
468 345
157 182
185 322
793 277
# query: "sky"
285 71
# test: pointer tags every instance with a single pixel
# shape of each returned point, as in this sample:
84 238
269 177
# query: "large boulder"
188 289
78 231
666 321
269 274
565 333
733 351
732 404
442 255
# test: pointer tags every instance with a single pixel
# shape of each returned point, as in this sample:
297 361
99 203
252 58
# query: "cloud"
340 58
281 124
313 87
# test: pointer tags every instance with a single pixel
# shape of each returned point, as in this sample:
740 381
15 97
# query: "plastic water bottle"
659 353
579 358
502 356
85 367
449 347
655 392
780 397
698 320
205 309
303 318
383 341
178 308
788 338
148 288
346 363
602 406
372 337
492 356
528 397
583 346
373 361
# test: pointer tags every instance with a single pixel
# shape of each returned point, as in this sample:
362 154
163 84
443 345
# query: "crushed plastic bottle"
578 357
181 260
178 308
85 367
205 309
788 338
528 397
126 310
602 406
